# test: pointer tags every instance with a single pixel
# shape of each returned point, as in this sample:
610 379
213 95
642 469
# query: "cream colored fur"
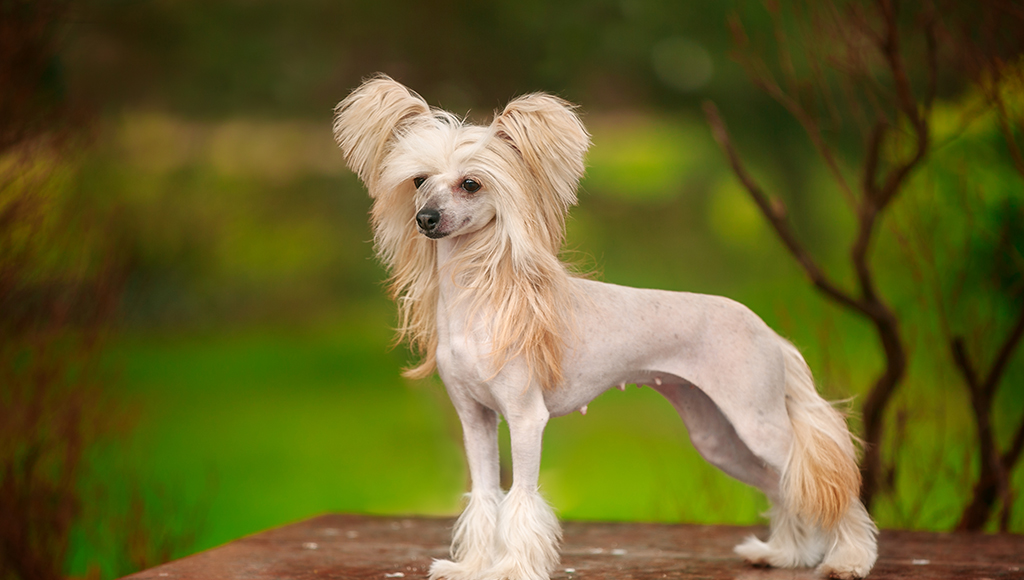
469 221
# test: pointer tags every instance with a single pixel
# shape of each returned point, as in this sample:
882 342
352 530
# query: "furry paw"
473 538
527 537
449 570
777 553
755 552
849 561
509 568
855 549
843 573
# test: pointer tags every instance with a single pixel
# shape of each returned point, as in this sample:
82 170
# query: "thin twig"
907 105
810 126
776 217
1007 131
1005 354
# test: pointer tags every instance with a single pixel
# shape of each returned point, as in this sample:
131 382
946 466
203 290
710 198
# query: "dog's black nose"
428 219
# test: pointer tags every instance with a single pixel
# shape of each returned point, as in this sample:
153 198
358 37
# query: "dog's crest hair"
531 158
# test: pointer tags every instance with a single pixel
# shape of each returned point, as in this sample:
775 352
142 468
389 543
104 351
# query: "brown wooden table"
349 546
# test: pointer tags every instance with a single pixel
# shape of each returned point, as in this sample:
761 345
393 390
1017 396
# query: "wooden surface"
346 546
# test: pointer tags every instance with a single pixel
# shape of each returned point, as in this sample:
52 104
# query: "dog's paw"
755 552
445 570
776 553
854 572
849 561
448 570
509 568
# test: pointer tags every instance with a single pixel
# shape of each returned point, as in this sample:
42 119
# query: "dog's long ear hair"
368 120
530 290
366 126
551 139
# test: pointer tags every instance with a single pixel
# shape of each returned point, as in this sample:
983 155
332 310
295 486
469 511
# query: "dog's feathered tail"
821 478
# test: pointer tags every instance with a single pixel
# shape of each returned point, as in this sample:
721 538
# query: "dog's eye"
418 181
470 186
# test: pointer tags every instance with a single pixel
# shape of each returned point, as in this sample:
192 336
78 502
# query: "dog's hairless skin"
469 220
703 328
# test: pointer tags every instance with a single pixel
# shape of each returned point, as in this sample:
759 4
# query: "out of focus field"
249 375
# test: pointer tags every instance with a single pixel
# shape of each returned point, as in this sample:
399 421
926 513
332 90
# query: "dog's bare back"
470 222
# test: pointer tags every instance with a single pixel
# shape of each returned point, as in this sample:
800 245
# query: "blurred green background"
250 362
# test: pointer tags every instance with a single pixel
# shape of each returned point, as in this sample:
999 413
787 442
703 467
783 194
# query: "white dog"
470 221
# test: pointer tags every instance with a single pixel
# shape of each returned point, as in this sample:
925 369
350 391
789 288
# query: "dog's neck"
460 270
525 312
448 267
446 250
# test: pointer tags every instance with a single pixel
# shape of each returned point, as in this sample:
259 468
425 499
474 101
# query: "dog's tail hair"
821 478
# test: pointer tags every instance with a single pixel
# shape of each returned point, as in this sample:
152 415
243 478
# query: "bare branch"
964 364
907 104
1007 131
889 44
871 158
931 58
993 479
818 31
776 217
1013 453
813 130
866 219
1002 359
785 57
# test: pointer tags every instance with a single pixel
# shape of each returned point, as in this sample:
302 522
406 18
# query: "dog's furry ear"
551 139
367 120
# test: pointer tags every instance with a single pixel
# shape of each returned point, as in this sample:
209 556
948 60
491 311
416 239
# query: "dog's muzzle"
428 219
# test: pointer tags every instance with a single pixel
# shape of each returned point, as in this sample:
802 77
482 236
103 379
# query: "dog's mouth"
436 232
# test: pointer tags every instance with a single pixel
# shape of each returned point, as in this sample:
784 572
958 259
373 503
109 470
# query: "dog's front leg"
473 538
528 533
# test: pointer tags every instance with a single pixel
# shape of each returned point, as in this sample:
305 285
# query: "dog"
470 221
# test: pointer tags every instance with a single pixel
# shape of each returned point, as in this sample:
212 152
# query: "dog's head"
451 178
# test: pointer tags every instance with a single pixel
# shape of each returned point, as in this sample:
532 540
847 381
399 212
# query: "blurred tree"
62 272
989 48
878 66
50 313
32 101
960 229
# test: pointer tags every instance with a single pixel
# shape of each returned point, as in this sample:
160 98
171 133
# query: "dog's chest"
464 357
457 357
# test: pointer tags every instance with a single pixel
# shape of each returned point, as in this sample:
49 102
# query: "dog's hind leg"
817 516
716 440
528 533
473 540
854 546
821 483
792 542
